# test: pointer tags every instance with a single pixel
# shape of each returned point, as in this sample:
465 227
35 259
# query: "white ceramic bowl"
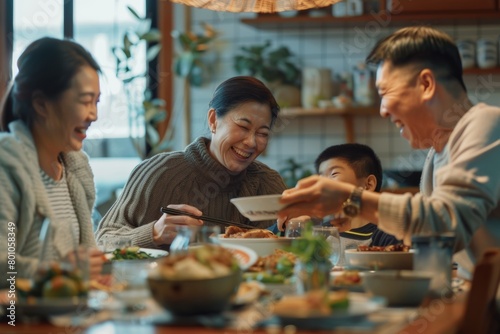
380 260
257 208
261 246
399 287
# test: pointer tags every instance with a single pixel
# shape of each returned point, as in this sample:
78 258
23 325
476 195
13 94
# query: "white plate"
380 260
360 305
261 246
246 256
257 208
154 252
352 287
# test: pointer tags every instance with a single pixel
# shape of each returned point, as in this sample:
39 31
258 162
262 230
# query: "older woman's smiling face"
241 135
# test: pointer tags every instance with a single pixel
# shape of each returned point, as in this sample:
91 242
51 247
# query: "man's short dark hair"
423 47
361 158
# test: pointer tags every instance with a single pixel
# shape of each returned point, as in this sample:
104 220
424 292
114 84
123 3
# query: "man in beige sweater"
419 79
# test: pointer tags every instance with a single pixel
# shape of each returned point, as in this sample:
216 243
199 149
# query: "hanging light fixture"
257 6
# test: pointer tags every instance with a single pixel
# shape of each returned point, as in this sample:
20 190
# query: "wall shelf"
481 71
348 114
273 21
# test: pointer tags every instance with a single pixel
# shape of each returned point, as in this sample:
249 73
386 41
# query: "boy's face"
340 170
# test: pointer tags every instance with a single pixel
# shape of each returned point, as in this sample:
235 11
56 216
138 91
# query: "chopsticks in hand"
217 221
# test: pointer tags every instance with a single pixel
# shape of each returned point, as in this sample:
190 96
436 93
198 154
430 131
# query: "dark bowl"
192 297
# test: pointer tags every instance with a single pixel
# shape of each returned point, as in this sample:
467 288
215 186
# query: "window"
98 25
34 19
99 31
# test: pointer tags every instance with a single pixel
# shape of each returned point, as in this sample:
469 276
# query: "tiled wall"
303 138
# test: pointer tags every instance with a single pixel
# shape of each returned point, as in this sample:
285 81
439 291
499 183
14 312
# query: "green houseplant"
276 67
144 110
189 62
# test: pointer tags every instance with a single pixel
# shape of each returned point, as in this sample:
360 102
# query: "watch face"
351 210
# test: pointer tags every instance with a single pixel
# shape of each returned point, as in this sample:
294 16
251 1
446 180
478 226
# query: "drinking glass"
108 244
294 228
433 253
130 286
189 235
332 236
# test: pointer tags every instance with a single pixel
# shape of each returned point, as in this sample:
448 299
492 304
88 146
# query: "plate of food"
135 253
376 258
350 280
245 256
314 311
258 208
262 241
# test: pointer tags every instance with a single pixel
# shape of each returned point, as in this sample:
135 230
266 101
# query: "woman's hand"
314 196
164 230
96 261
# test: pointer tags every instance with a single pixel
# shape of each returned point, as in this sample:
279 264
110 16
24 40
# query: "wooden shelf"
348 111
272 21
481 71
348 114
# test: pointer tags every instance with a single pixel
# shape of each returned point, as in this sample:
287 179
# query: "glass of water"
332 236
130 287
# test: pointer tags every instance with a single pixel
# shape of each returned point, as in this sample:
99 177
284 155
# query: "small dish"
246 256
258 208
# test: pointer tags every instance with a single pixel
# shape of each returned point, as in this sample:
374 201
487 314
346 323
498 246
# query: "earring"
213 130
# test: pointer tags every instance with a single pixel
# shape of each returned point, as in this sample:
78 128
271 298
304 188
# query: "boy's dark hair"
361 158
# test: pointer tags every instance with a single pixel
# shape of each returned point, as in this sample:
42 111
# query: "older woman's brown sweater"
190 177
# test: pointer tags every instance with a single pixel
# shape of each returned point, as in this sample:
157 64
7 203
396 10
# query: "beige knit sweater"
24 200
190 177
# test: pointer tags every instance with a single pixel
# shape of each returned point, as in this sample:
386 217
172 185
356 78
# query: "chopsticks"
218 221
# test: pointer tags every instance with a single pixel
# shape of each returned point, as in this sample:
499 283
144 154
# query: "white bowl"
380 260
257 208
399 287
261 246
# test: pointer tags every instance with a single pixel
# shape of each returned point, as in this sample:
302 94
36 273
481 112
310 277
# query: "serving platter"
373 260
360 305
261 246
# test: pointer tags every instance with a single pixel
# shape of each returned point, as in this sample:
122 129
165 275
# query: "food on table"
313 303
55 281
390 248
348 277
238 232
129 253
272 268
249 292
204 262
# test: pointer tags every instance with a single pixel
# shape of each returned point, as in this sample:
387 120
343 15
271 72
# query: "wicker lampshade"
257 6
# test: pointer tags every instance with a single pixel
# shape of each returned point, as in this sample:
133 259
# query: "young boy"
359 165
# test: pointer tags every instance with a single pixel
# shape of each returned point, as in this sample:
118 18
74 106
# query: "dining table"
434 315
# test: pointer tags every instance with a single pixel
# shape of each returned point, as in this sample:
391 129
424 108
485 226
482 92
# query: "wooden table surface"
439 316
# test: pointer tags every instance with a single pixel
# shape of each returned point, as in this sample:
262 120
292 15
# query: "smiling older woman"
204 177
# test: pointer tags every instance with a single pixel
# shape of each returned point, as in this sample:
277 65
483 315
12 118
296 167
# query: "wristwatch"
352 205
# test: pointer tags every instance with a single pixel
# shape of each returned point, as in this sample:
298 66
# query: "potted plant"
189 63
276 67
145 111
